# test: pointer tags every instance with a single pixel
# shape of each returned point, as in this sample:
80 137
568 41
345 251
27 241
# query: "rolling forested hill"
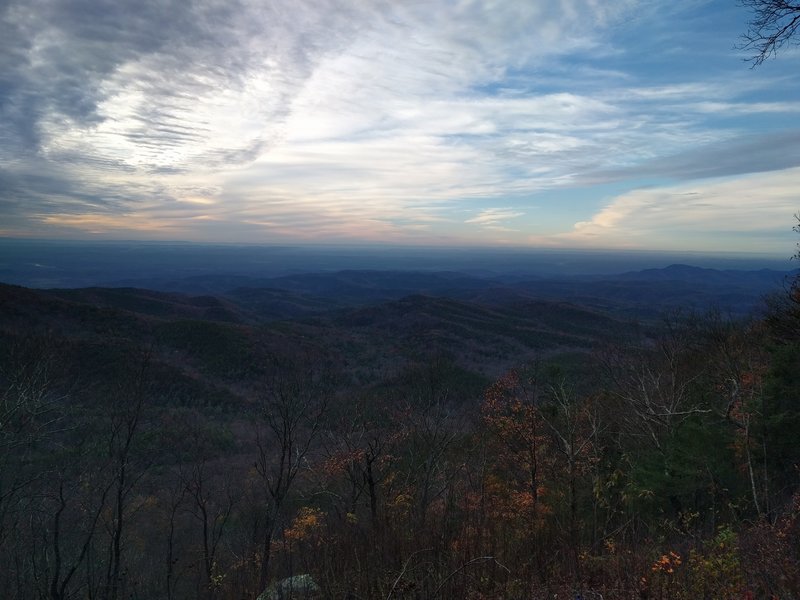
402 434
227 337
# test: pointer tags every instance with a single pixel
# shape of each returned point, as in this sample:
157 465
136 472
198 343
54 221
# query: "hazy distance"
48 264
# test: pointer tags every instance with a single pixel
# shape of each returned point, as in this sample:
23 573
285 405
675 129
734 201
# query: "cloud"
750 213
188 85
328 119
493 218
160 83
754 153
327 105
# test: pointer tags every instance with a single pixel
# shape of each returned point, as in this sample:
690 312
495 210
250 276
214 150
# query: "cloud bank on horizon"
588 123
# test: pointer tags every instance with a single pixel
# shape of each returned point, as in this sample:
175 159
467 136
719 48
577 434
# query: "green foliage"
780 419
715 570
695 470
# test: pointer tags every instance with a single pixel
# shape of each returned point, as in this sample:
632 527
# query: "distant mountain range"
215 347
52 263
643 293
212 335
699 275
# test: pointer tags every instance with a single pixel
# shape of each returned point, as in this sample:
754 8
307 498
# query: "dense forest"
159 445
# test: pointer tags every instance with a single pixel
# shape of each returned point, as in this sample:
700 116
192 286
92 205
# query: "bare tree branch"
774 24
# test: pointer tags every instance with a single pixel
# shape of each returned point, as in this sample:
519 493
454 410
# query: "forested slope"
160 445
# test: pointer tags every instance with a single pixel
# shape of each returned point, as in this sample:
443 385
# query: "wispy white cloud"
381 120
365 111
745 108
494 218
749 213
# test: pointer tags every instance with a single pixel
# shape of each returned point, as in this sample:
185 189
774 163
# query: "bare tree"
177 495
77 533
62 564
124 430
361 447
737 365
28 414
774 24
291 411
573 434
211 506
654 381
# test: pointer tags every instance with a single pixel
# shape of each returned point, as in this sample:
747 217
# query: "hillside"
218 340
373 321
349 418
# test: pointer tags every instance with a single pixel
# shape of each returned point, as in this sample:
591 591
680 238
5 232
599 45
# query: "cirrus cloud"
378 120
752 213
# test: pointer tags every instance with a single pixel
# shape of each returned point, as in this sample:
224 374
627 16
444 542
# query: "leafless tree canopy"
773 25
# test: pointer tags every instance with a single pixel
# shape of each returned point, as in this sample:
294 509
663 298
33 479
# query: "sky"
624 124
